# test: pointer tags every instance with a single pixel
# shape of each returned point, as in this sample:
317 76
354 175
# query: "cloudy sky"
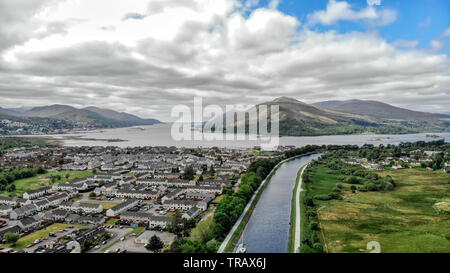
145 56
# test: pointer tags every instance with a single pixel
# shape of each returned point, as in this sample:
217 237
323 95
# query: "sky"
146 56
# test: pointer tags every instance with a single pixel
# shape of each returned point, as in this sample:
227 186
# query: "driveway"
117 234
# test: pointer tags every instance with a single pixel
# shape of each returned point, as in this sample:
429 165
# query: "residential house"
23 211
36 193
122 207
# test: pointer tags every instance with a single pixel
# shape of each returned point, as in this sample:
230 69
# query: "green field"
402 220
38 235
42 180
105 205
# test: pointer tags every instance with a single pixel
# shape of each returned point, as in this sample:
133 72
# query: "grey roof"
28 221
13 229
60 212
57 197
123 204
38 190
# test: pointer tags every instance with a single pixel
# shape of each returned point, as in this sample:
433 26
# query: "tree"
188 173
11 238
67 176
155 244
92 195
10 188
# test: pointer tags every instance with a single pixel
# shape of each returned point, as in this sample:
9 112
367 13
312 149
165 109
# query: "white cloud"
436 45
446 33
406 43
373 2
342 11
74 52
273 4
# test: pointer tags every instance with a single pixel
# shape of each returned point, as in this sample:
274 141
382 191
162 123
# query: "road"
117 234
297 211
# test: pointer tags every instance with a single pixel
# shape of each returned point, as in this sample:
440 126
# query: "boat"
241 247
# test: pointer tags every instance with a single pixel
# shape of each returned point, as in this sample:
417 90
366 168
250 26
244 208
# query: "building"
159 221
56 199
30 223
4 200
23 211
122 207
135 216
36 193
191 213
5 210
14 229
59 214
144 195
42 204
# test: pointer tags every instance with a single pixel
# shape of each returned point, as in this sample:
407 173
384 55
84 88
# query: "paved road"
297 211
117 234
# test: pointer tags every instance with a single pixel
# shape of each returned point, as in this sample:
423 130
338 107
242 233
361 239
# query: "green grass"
40 234
402 220
106 205
111 222
291 247
42 180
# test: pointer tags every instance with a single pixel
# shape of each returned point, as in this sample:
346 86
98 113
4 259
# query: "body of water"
268 228
160 135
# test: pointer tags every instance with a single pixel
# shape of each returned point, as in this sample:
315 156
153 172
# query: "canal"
268 228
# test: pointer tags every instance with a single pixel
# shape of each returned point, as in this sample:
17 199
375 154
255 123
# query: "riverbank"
294 233
283 181
233 236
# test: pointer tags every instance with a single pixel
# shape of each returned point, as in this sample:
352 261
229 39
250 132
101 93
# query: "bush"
313 225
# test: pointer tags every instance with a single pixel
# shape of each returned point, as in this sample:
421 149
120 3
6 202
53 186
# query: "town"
110 199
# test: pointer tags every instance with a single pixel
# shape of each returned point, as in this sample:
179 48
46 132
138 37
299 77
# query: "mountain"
121 116
63 117
10 112
379 110
337 118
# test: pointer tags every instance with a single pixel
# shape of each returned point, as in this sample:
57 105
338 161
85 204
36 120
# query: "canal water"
268 228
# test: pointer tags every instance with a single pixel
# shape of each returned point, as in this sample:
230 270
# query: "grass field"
42 180
40 234
106 205
402 220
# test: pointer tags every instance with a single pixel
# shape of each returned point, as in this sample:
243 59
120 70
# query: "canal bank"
268 212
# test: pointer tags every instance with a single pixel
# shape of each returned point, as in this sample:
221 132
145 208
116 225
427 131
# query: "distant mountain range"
68 117
351 117
296 119
378 110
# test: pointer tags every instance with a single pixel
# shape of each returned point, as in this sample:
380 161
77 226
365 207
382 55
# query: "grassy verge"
291 247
